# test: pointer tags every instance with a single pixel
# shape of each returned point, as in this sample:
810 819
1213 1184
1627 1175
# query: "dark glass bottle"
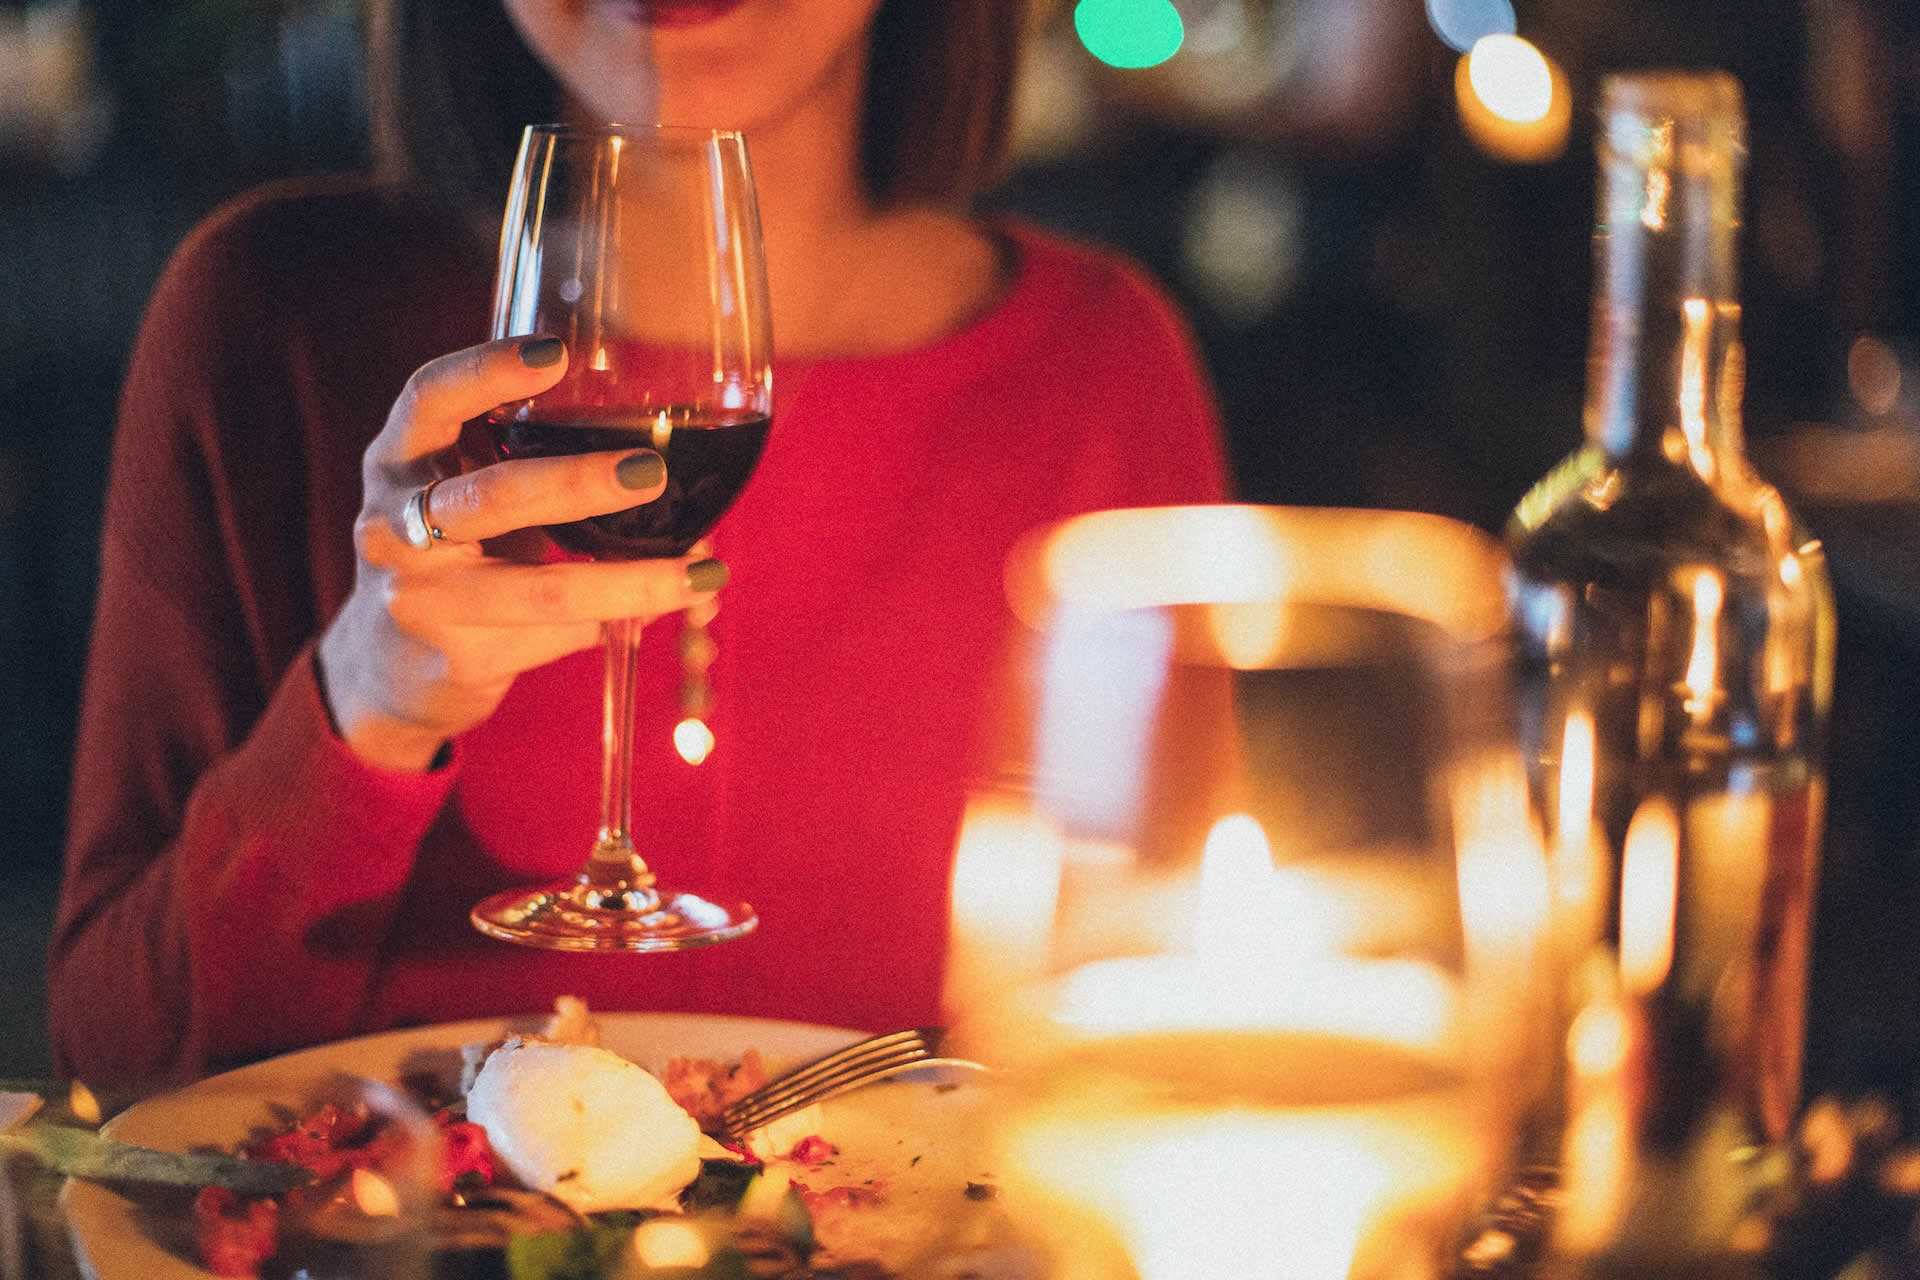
1676 633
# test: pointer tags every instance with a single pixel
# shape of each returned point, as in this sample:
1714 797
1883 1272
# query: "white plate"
907 1136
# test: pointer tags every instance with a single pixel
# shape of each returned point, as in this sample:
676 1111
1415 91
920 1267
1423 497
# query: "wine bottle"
1675 629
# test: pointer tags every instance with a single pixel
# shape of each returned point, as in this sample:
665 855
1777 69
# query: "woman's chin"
676 13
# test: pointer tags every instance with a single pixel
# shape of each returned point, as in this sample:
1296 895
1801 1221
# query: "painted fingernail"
641 470
706 575
539 353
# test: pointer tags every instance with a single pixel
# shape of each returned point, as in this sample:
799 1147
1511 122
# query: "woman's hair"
452 84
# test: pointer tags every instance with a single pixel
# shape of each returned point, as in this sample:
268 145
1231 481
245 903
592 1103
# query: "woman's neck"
815 213
849 278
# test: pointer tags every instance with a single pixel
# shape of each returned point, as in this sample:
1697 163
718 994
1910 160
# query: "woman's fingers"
447 391
534 491
494 656
498 593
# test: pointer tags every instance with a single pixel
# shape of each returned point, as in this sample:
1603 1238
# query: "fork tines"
844 1069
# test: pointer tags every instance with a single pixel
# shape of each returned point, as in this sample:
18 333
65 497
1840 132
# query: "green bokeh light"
1130 34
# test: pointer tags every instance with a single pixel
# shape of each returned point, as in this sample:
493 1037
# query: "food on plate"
584 1125
705 1087
570 1023
558 1156
340 1146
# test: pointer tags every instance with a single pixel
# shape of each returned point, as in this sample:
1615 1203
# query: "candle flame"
1005 886
1506 894
1649 889
1502 868
1264 952
1597 1040
1245 908
1703 662
1575 867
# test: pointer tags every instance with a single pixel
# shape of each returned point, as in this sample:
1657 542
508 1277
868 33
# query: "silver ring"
420 529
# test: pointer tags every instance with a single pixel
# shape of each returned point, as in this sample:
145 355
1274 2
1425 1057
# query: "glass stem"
615 864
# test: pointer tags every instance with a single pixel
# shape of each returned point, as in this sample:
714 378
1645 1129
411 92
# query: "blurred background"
1376 213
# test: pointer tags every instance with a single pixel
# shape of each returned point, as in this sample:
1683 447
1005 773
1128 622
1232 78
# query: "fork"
846 1068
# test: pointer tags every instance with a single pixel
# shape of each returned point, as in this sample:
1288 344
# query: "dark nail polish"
640 470
539 353
706 575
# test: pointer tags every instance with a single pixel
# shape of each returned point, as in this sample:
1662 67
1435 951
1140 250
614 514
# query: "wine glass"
640 248
1251 916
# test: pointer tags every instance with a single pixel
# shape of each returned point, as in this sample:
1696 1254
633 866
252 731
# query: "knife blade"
82 1153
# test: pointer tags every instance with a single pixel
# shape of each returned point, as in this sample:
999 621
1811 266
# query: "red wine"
709 453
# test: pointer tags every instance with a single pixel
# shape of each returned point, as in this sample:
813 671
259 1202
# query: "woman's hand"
431 637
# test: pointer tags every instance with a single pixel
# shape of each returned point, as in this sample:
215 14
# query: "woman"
308 746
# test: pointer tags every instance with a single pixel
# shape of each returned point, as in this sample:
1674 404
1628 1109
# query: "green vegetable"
599 1251
82 1153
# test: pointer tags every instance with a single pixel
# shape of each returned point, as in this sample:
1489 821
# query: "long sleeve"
231 866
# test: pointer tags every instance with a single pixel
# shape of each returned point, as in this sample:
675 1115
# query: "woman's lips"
679 13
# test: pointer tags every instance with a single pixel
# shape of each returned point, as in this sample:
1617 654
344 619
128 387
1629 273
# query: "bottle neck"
1666 368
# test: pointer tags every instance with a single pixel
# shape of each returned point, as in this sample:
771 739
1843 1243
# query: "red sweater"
238 882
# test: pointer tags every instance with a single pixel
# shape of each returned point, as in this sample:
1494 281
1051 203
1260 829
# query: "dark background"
1392 318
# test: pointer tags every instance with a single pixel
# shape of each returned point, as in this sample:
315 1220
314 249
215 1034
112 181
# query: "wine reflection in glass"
640 248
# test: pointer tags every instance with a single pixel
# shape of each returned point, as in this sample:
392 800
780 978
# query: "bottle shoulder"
1621 521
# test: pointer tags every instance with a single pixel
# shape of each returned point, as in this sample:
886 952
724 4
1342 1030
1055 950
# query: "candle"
1253 1100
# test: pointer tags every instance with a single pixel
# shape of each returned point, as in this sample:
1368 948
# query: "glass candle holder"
1250 916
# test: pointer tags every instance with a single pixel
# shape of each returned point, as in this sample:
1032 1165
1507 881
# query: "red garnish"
813 1149
326 1140
466 1157
235 1235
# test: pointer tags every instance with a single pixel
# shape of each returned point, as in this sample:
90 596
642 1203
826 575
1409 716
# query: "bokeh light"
1514 101
1511 78
670 1243
693 740
1129 34
1243 239
82 1102
1873 375
1463 23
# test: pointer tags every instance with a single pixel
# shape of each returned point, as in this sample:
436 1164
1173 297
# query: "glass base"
571 916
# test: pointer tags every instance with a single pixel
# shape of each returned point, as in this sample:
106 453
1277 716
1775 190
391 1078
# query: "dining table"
1850 1211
